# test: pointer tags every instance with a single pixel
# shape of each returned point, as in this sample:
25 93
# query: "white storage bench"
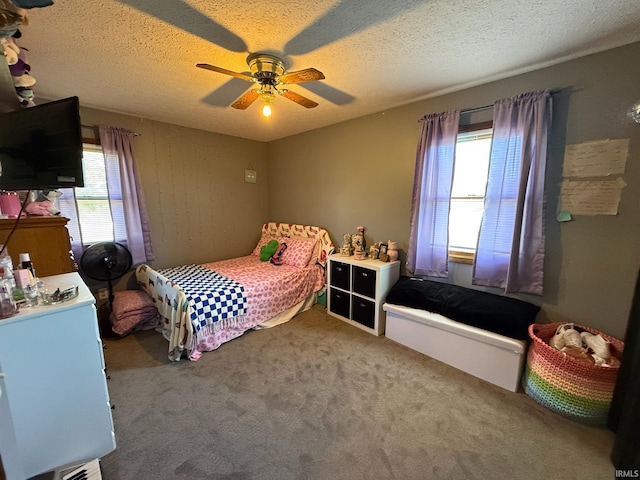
492 357
477 332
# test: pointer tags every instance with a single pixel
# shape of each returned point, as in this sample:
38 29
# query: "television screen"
41 147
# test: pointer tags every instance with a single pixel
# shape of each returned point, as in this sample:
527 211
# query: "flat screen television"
41 147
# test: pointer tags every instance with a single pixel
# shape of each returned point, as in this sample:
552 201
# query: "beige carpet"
319 399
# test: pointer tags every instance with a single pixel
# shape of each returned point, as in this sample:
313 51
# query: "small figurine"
345 249
357 240
382 256
392 250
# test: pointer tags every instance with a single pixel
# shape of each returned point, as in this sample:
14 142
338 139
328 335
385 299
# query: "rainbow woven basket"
565 384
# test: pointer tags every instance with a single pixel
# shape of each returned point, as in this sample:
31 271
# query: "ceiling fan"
268 71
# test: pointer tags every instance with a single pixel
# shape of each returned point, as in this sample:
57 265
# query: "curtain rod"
96 126
487 107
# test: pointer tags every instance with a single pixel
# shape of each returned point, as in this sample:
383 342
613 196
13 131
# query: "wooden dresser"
45 239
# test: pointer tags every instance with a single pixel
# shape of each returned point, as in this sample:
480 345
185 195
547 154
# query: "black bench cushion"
502 315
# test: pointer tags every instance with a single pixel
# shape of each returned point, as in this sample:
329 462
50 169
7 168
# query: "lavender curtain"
130 219
428 252
510 251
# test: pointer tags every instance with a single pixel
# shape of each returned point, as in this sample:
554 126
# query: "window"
94 209
471 167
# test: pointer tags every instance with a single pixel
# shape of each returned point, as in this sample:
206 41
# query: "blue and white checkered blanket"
211 296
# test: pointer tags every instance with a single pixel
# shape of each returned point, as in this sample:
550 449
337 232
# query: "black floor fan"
106 262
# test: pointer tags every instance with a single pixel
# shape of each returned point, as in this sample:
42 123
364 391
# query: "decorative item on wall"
346 249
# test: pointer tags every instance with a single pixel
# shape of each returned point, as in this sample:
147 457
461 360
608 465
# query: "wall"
200 208
360 172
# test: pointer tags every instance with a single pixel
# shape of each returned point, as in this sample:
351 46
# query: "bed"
203 306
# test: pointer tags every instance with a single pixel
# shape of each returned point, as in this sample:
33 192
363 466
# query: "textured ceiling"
138 57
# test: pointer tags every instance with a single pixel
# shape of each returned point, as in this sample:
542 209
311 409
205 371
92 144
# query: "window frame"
458 255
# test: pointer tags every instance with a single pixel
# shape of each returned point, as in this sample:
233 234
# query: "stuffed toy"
24 80
276 259
45 205
10 50
39 208
267 251
52 196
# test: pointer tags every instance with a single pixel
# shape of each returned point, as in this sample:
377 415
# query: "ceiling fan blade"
213 68
245 100
299 99
306 75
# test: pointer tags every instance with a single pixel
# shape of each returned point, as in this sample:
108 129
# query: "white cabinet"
357 290
54 408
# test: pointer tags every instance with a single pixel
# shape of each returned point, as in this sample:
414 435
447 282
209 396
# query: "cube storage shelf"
357 290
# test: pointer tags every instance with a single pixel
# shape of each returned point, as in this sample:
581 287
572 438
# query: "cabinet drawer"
363 311
339 302
364 281
341 275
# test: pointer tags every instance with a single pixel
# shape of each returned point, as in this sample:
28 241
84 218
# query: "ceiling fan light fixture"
268 95
267 92
269 73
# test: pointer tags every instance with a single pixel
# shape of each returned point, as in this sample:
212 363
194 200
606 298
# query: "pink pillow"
299 251
316 249
264 239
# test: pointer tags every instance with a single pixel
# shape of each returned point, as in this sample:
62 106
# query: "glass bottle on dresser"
25 262
30 289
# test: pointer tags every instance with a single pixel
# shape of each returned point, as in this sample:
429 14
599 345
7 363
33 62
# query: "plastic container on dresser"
357 290
54 405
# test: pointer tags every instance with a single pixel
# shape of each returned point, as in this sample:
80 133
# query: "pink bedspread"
270 289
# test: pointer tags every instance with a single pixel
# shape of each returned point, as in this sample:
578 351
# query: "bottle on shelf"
25 262
7 302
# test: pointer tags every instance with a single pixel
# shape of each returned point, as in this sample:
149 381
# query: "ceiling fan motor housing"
264 66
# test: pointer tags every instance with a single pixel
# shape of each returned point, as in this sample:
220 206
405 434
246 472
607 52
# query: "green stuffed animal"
268 250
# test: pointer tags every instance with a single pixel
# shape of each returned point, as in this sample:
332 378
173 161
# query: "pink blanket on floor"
132 310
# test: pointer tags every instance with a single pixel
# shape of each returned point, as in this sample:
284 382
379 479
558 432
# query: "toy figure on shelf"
45 204
357 240
392 250
345 249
